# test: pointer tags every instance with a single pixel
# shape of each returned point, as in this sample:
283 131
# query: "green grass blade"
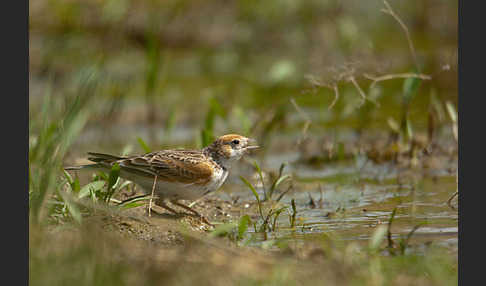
127 202
243 226
112 180
114 174
132 205
144 146
255 194
94 186
67 176
276 215
410 87
276 183
294 213
251 188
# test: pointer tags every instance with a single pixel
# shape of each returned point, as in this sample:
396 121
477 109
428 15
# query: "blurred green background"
160 65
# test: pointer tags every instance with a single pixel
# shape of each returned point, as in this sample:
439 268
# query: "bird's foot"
194 212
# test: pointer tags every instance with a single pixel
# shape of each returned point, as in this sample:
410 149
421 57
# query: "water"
352 201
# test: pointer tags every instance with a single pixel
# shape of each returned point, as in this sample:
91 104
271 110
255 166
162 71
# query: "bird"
178 174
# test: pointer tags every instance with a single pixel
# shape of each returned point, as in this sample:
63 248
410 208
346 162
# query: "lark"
174 175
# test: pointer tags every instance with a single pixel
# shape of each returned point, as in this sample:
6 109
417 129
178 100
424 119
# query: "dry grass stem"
361 92
332 86
336 97
377 79
390 12
304 115
299 110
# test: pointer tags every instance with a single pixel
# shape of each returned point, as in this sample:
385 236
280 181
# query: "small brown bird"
175 175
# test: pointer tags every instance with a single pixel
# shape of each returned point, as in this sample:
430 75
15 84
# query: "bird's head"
231 147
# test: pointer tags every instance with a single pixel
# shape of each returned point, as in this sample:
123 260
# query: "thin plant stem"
390 12
377 79
152 196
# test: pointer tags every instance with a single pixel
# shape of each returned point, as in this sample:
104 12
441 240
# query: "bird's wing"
183 166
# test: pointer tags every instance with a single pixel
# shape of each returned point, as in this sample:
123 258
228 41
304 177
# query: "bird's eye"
236 141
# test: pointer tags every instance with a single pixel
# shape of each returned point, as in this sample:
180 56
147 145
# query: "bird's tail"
100 157
101 161
90 166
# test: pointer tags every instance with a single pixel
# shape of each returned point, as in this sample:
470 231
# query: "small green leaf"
66 175
71 207
243 225
94 186
251 188
125 184
280 180
101 175
114 173
223 229
410 87
76 185
74 211
113 179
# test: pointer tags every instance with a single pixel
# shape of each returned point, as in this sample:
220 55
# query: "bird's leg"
175 202
152 196
160 203
165 206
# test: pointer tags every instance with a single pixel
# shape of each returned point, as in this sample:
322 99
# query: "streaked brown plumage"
181 174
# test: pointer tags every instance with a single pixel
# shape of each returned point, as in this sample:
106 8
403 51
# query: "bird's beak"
252 141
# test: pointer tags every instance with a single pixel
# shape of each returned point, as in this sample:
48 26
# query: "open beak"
252 147
252 141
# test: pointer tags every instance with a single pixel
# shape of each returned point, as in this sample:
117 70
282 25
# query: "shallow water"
351 205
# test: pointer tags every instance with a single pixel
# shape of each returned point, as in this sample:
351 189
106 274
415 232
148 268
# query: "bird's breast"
218 178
